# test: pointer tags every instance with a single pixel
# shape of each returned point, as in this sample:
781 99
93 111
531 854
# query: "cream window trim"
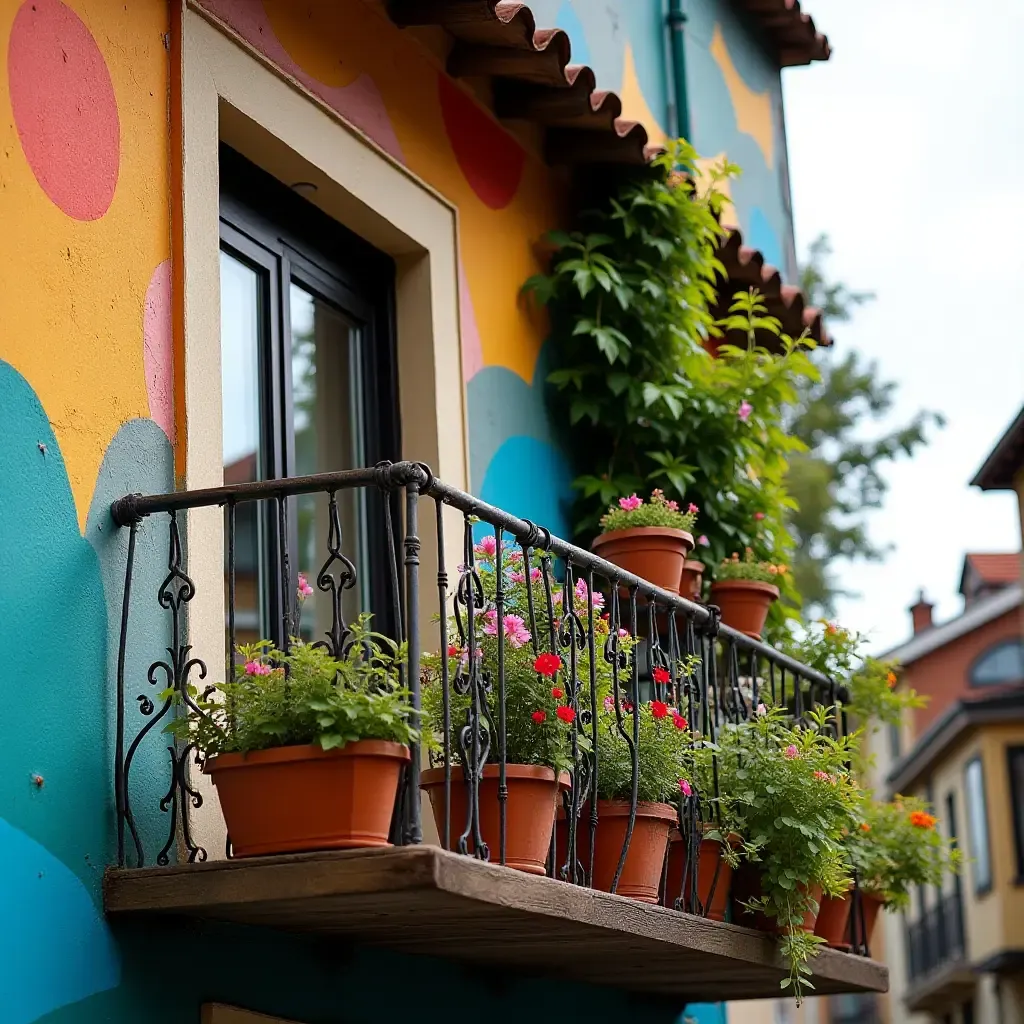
231 95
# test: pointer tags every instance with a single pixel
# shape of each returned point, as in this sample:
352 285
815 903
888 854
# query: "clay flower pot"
692 581
645 859
746 886
870 904
833 924
744 603
654 553
529 811
712 871
289 799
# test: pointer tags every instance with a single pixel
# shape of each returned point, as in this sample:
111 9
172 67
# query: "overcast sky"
907 148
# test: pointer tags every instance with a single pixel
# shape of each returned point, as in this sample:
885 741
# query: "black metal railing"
936 938
734 672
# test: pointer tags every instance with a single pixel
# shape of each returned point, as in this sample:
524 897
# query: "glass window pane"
977 821
327 420
240 311
1003 663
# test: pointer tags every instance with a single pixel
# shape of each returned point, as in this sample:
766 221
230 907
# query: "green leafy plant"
319 699
540 713
796 803
665 750
749 568
897 847
659 511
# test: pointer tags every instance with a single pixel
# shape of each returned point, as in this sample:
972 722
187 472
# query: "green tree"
840 477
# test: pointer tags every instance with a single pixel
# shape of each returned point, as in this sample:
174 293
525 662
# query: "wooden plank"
425 900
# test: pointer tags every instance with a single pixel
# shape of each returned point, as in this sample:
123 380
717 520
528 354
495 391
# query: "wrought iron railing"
735 672
936 938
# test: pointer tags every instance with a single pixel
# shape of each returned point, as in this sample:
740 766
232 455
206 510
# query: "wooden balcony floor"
422 899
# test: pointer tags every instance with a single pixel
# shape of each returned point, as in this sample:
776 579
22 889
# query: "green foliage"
528 691
839 475
645 403
897 847
323 700
749 568
795 802
665 751
659 511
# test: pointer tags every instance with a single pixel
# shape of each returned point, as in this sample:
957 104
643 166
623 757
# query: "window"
977 826
853 1009
1015 759
308 385
1000 665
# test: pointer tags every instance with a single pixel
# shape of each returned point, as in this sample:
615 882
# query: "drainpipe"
680 107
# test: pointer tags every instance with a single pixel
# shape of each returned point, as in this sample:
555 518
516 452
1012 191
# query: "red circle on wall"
64 108
490 159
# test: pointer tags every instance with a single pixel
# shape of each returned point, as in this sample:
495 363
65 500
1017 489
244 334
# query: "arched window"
1000 664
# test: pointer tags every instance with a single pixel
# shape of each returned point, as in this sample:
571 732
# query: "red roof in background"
996 569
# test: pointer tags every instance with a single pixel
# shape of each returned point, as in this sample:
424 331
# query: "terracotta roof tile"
792 32
996 569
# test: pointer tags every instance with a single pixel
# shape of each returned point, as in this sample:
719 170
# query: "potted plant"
540 716
664 769
795 802
744 589
306 750
691 585
649 539
715 831
895 848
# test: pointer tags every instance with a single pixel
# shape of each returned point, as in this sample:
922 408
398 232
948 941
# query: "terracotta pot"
529 811
645 859
289 799
870 904
744 603
692 581
747 886
709 861
833 924
654 553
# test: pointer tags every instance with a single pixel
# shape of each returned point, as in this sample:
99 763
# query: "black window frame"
1016 798
286 239
987 653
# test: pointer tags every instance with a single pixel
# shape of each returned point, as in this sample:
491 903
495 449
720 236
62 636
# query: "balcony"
439 888
939 973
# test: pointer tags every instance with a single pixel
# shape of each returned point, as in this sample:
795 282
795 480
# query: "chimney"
921 613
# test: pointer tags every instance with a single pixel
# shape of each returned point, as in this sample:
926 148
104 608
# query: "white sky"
907 148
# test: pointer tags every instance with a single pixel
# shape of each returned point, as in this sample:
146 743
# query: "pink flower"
761 711
515 556
673 506
703 541
257 668
759 516
823 776
517 577
791 751
491 622
609 703
536 574
581 596
516 631
623 632
693 509
744 410
305 590
685 788
487 547
631 503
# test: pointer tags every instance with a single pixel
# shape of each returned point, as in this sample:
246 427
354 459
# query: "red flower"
539 716
565 713
662 675
659 709
547 664
557 693
759 516
453 651
679 721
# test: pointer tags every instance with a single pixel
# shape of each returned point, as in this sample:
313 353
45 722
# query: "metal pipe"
676 22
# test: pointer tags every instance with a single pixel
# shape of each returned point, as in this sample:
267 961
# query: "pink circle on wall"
158 349
64 108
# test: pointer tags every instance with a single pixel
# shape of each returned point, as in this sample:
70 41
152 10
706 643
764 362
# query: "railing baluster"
446 710
499 602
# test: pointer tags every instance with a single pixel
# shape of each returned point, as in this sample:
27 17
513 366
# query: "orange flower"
865 827
920 819
890 678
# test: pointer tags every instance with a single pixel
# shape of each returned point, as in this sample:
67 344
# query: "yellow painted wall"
78 260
